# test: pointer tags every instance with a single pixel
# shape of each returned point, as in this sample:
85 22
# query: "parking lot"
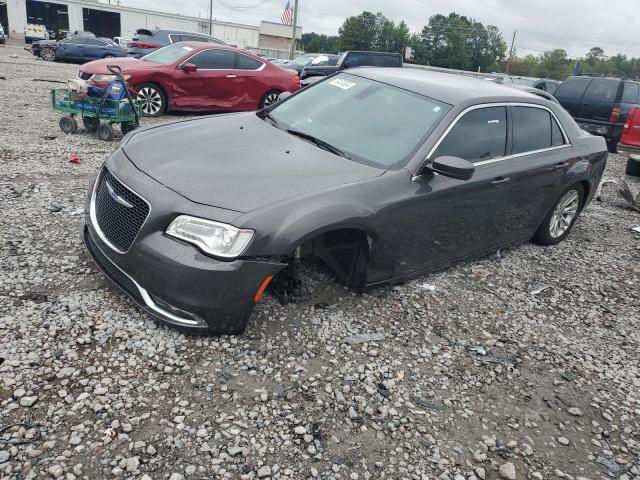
521 365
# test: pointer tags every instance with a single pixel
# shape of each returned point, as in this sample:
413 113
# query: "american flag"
287 18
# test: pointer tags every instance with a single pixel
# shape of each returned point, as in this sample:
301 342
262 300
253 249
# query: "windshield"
302 61
524 81
371 122
168 55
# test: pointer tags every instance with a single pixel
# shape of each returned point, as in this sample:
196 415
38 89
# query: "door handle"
559 166
498 182
232 76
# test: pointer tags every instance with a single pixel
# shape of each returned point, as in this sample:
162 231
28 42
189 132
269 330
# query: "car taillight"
633 118
615 115
296 80
144 45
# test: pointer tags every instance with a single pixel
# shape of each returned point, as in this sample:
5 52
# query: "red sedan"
197 76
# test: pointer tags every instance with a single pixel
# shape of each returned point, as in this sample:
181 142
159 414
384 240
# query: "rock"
56 471
4 456
507 471
264 471
300 430
563 441
575 411
28 401
132 464
176 476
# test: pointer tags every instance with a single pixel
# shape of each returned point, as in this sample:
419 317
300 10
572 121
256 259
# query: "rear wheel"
90 124
269 98
559 221
48 54
153 99
105 132
633 167
68 125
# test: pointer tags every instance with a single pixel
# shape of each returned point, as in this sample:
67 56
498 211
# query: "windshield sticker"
342 83
188 49
437 109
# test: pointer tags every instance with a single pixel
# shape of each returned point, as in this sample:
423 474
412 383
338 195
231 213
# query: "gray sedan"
383 174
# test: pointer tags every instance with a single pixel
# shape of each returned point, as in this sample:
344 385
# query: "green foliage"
458 42
315 43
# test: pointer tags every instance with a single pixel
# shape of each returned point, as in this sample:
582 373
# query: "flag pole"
292 52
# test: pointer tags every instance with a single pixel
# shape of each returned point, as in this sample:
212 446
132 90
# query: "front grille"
113 272
119 211
84 75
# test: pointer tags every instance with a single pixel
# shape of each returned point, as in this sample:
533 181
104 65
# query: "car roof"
201 45
445 87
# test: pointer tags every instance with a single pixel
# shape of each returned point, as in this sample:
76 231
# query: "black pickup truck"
352 59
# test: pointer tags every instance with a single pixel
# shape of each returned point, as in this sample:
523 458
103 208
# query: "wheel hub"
564 214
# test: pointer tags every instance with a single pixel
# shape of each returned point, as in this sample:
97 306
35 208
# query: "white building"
111 20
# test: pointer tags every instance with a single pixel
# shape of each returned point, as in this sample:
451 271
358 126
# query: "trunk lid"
631 131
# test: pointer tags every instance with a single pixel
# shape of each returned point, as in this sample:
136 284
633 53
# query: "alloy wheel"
48 54
564 213
271 99
151 100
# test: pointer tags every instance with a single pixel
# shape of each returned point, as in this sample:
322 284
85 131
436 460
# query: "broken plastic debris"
428 286
428 404
540 289
479 349
74 159
363 338
636 229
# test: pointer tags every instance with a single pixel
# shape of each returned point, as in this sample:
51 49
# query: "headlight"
214 238
107 78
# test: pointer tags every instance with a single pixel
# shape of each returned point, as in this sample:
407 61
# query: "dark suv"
354 59
146 41
600 105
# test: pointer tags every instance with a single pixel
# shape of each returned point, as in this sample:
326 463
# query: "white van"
33 32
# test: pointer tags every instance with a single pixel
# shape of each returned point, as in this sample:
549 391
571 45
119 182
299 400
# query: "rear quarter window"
603 90
630 93
573 87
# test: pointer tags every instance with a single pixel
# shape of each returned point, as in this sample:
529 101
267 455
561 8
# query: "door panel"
212 87
449 219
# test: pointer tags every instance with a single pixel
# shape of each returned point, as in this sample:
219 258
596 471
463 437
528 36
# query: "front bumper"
173 281
629 151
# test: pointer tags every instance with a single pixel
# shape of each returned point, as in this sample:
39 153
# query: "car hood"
127 64
238 162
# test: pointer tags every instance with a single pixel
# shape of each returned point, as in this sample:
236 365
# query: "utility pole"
292 52
210 17
513 42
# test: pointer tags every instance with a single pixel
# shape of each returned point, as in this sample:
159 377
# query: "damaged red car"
198 77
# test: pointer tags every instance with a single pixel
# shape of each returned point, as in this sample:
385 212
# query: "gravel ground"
458 375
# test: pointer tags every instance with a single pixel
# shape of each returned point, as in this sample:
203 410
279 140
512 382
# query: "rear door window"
602 90
573 87
534 129
214 60
480 135
630 93
384 60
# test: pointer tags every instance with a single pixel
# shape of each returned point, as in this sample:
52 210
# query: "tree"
315 43
359 32
595 54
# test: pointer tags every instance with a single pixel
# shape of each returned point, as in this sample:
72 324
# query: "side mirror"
453 167
189 68
284 96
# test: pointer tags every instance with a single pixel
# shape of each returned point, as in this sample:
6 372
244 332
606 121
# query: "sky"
575 25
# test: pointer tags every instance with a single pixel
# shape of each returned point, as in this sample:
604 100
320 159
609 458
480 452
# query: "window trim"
508 105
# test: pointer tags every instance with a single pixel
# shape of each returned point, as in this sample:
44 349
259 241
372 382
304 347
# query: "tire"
127 127
561 218
269 98
105 132
68 125
633 167
612 145
153 99
90 124
48 54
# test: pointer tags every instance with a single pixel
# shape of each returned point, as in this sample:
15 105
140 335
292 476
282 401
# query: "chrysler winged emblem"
117 197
